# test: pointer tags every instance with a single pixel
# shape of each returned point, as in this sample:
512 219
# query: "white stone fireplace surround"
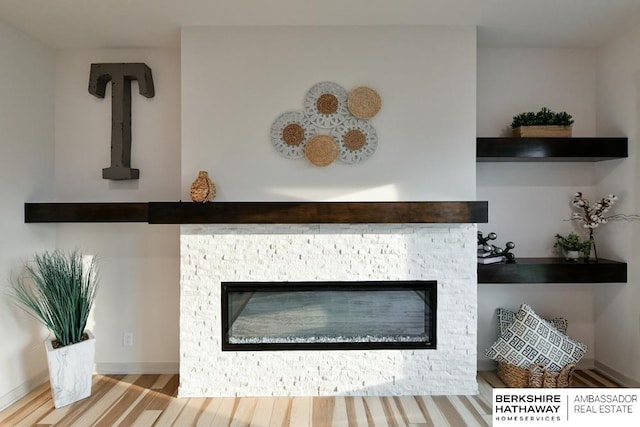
211 254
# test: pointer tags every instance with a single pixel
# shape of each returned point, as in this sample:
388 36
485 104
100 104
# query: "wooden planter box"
550 131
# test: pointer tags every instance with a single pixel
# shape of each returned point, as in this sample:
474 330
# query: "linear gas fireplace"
328 315
365 292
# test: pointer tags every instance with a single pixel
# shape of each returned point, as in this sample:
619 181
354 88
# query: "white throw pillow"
532 340
506 318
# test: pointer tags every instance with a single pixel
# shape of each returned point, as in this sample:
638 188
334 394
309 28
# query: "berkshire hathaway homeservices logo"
527 407
566 407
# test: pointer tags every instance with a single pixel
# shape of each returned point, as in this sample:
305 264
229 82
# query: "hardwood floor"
149 400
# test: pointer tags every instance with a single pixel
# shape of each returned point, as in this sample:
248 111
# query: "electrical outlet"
127 339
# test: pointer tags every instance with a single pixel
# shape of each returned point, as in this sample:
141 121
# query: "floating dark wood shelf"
86 212
553 270
317 212
261 212
550 149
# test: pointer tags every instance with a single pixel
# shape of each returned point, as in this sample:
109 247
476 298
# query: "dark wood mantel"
261 212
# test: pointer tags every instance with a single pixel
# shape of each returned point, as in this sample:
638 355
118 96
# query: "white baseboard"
22 390
586 364
137 368
490 365
616 376
487 365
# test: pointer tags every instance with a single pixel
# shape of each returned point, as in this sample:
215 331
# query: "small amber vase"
202 188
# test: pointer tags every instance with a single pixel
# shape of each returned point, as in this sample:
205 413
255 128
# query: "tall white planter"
71 370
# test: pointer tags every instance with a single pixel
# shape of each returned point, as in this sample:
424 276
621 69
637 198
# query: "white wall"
139 288
515 80
26 173
618 307
529 202
237 80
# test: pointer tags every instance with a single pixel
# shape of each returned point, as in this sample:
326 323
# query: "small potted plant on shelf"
58 289
572 246
545 123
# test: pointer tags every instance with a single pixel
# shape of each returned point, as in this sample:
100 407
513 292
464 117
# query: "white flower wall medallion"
336 120
357 140
290 133
326 105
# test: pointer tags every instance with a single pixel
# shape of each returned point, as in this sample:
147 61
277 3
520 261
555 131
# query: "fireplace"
328 315
217 258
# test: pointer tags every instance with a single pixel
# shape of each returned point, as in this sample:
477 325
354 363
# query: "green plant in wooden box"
544 123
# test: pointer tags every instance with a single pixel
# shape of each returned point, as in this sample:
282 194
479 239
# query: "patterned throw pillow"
506 318
531 339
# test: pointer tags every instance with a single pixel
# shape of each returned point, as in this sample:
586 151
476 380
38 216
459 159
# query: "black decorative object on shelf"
484 241
120 74
510 256
490 254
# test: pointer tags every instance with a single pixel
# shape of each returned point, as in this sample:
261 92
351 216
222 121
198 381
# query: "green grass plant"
544 117
58 289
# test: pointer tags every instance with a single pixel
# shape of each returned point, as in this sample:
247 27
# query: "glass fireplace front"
328 315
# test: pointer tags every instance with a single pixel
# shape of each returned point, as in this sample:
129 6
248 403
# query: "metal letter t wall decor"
120 76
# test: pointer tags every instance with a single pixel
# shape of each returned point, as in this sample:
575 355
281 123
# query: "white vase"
572 255
71 370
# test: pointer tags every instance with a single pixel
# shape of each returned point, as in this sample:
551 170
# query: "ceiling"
156 23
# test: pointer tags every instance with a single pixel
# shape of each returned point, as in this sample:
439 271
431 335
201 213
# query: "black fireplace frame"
428 286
